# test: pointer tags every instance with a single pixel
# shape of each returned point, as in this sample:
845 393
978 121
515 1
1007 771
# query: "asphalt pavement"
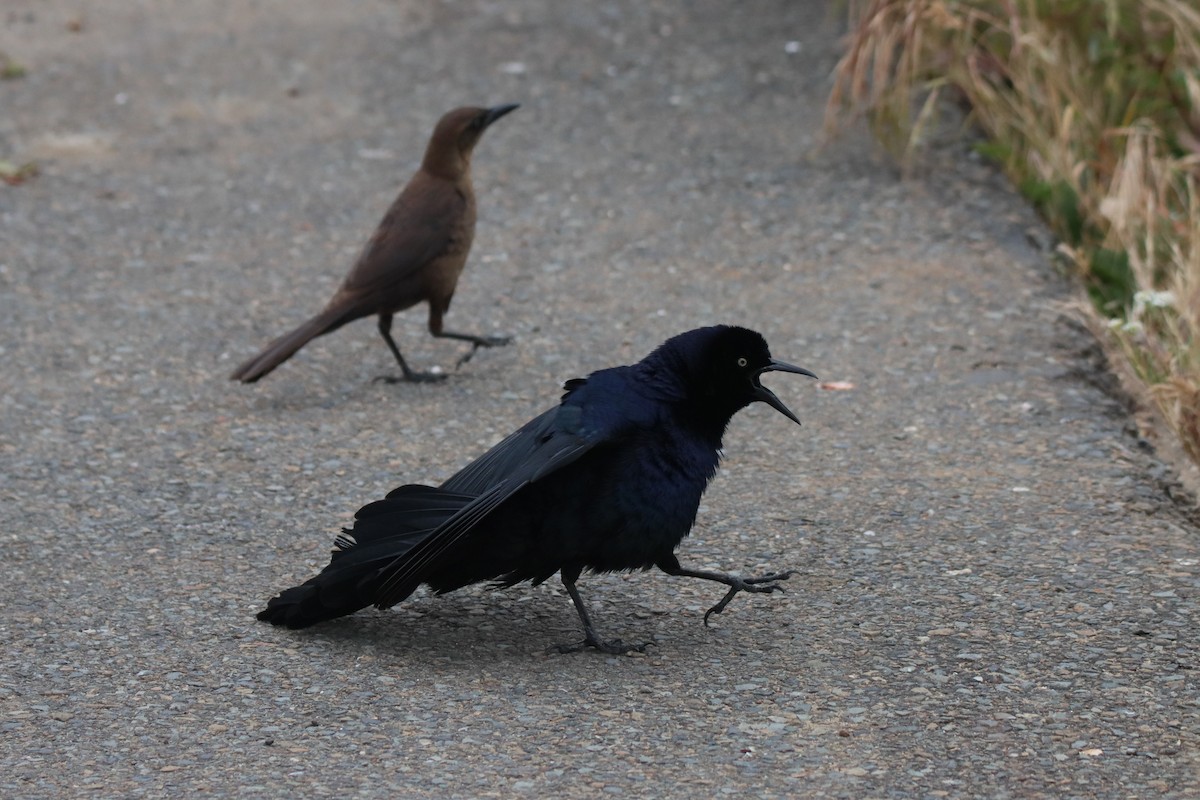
996 596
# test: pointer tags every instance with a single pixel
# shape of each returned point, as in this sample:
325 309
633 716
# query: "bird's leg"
437 311
476 341
385 330
590 639
762 583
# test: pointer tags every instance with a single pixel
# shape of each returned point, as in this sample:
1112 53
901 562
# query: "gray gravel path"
996 598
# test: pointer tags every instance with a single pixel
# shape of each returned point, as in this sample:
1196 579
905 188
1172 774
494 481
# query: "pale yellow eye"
742 362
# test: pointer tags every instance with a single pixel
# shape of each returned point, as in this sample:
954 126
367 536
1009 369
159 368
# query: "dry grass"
1092 107
1153 210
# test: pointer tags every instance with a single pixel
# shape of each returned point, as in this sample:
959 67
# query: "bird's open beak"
496 112
767 396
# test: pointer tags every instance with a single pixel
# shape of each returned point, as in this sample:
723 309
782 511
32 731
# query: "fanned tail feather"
383 531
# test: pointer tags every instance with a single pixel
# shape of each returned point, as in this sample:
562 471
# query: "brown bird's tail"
286 346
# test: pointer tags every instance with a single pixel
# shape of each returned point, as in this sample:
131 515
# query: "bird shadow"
480 626
329 392
476 627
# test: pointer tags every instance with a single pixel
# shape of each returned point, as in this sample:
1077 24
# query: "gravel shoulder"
996 596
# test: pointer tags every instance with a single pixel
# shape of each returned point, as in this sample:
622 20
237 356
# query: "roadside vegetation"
1092 108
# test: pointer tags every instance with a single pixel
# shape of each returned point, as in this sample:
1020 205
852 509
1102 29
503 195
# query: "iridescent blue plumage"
610 479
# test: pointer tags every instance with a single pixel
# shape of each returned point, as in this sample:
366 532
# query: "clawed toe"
778 576
763 584
615 647
482 341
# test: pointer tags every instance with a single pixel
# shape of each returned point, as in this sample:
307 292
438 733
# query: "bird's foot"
615 647
412 377
482 341
764 584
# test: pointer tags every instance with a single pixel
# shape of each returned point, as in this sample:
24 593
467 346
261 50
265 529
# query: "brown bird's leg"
763 583
477 341
385 330
616 647
435 328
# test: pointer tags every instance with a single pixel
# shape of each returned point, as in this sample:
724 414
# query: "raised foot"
483 341
764 584
615 647
412 377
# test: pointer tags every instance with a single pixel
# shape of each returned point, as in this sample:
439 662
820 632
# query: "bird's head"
721 368
455 137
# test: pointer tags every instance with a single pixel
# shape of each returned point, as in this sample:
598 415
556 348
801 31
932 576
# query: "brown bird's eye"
742 362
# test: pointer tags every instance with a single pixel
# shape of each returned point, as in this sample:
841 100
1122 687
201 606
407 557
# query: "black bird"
608 480
417 252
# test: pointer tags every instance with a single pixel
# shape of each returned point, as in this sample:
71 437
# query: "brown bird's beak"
767 396
496 112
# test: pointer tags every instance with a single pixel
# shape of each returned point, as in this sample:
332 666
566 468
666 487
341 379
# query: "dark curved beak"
767 396
496 112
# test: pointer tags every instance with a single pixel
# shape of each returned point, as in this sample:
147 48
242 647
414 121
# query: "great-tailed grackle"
608 480
417 252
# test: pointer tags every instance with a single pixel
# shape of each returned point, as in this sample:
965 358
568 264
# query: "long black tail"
382 532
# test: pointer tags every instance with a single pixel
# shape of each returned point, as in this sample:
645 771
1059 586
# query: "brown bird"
417 252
